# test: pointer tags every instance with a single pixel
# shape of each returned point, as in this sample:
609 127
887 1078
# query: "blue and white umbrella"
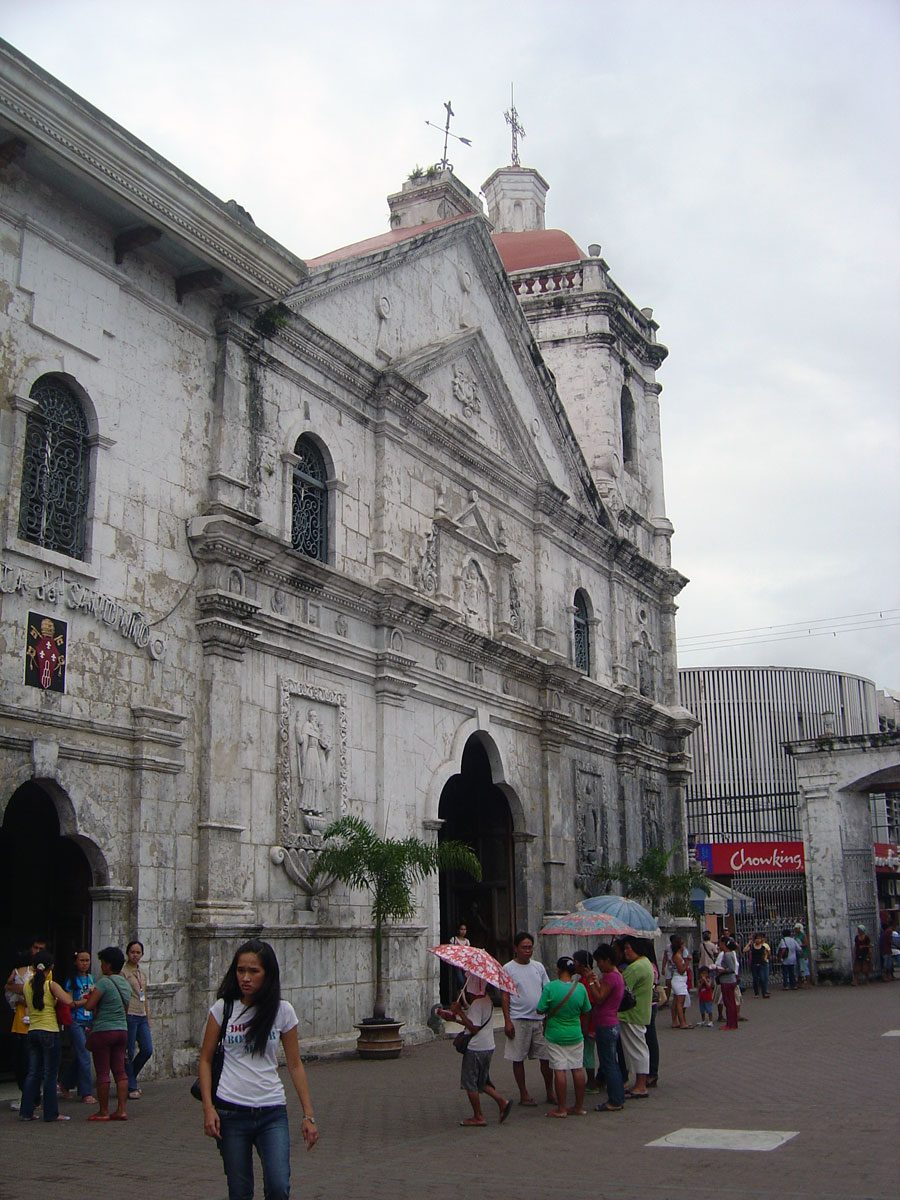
625 910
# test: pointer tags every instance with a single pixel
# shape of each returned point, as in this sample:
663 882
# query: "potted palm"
389 869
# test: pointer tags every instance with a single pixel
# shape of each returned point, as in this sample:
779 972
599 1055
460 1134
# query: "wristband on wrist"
308 1118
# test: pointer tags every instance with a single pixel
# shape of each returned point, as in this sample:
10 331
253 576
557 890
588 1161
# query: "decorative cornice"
81 138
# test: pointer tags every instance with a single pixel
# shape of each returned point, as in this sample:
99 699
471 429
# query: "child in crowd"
705 997
476 1013
80 983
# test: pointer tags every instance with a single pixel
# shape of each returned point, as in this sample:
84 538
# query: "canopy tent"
722 900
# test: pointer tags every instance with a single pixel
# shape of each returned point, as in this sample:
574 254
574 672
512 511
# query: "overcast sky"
737 161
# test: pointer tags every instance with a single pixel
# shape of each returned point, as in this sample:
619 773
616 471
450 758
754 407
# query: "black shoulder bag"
218 1058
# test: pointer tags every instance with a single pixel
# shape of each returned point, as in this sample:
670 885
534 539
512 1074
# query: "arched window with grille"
53 504
582 633
309 501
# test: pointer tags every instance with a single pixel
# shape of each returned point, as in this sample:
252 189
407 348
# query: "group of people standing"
603 1002
106 1019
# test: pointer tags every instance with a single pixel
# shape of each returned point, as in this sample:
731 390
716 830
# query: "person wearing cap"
476 1014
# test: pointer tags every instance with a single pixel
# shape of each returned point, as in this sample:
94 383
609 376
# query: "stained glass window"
55 469
309 502
582 634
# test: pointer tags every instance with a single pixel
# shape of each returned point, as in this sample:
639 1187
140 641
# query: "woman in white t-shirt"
248 1108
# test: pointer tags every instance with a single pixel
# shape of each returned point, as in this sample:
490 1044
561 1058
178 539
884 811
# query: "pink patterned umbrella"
478 962
587 924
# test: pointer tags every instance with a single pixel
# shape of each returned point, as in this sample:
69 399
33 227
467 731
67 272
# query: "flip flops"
607 1107
638 1095
505 1111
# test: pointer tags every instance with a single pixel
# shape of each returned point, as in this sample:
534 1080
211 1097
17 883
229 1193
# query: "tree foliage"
390 870
651 880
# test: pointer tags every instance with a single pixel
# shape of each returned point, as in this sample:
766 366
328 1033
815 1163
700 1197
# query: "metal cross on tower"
512 120
444 164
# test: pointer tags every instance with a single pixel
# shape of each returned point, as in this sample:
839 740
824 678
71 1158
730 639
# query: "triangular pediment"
471 526
464 383
434 307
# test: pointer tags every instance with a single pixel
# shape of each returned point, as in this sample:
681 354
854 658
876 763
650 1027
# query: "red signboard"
734 858
887 857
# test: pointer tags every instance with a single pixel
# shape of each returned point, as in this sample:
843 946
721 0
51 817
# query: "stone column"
555 890
820 814
224 880
111 916
669 660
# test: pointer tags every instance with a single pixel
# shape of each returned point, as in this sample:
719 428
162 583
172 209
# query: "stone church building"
379 532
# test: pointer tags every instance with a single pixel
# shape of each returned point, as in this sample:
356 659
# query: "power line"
784 637
790 625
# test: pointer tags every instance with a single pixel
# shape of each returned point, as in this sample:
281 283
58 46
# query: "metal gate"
779 902
859 881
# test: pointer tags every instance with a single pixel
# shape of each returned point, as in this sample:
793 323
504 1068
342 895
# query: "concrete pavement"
814 1062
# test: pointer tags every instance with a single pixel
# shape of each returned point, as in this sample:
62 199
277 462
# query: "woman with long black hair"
248 1110
41 995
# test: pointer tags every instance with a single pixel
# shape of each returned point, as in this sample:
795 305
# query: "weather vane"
444 164
512 120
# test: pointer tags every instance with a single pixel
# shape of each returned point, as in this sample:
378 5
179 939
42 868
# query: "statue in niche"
475 599
313 752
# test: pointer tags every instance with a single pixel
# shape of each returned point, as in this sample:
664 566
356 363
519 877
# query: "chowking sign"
733 858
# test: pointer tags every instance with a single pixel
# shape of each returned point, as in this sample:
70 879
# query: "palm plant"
390 870
651 880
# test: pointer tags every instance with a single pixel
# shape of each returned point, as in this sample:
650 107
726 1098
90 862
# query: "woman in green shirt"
563 1000
109 1035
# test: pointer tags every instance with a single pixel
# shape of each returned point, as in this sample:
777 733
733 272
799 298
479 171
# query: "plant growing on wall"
390 871
651 880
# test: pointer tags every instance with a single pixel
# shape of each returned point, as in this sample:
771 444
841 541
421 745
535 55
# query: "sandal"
118 1116
99 1117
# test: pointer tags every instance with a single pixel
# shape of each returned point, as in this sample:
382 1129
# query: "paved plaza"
813 1064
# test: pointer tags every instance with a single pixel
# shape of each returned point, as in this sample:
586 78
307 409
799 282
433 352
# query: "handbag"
218 1058
63 1014
629 1000
462 1039
555 1009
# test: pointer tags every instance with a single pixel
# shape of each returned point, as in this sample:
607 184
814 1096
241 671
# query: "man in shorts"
523 1026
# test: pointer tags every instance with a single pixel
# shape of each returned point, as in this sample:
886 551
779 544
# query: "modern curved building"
744 815
744 785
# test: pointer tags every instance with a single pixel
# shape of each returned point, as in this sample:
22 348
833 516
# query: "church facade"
380 532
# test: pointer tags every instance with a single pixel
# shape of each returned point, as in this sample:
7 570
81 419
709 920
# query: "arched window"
582 633
629 436
309 501
54 498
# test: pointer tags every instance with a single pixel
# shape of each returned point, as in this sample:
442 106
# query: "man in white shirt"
522 1024
788 953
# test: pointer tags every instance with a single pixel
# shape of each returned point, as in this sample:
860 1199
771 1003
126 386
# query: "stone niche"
312 779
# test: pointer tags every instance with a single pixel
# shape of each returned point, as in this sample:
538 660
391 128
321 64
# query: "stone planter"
827 971
379 1039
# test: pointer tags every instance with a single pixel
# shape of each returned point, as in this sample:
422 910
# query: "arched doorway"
46 881
474 810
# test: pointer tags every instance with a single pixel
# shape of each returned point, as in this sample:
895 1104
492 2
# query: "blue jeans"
607 1044
267 1130
138 1033
80 1069
788 976
43 1068
760 973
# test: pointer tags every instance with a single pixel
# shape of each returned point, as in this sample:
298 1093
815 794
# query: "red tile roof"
536 248
382 241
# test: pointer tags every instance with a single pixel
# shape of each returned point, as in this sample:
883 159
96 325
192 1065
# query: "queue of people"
95 1014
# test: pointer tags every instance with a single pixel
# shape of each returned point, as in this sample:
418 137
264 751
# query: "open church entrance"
475 811
46 881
